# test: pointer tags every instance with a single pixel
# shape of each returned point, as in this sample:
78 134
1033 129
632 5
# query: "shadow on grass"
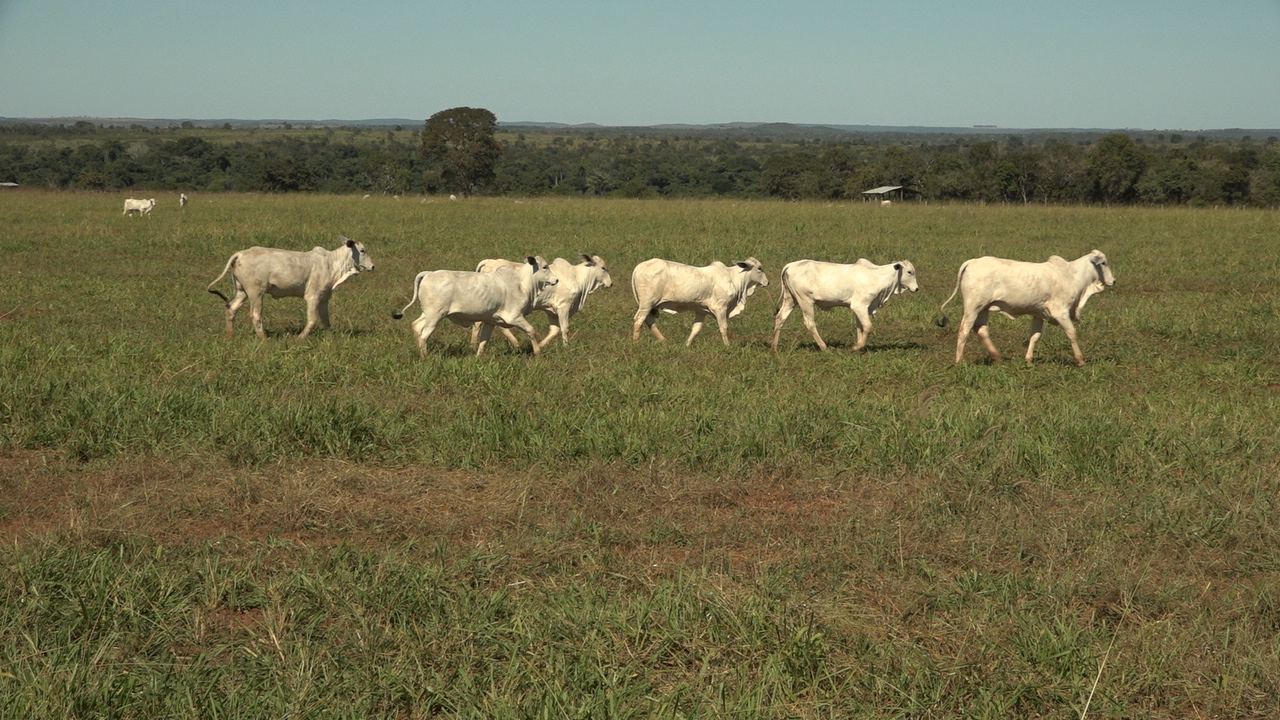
847 347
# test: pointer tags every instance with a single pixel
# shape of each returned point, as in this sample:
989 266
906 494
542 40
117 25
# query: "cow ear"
897 266
744 265
347 241
587 259
532 261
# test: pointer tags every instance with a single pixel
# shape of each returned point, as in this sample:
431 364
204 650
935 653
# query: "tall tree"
1115 163
461 143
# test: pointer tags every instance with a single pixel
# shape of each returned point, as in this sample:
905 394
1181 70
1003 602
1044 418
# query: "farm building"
889 192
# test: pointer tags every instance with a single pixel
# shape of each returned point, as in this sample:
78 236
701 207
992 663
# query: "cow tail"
942 318
417 281
783 279
230 264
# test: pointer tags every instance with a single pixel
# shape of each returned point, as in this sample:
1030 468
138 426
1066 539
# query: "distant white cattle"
560 301
142 207
717 289
886 203
501 298
182 199
1056 291
863 287
311 275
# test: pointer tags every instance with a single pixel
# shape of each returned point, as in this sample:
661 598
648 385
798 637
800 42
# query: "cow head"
599 272
906 277
755 273
359 256
750 276
1103 267
542 275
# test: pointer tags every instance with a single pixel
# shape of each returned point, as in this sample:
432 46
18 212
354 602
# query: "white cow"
1055 291
311 275
886 203
717 289
560 301
182 199
142 207
501 298
863 287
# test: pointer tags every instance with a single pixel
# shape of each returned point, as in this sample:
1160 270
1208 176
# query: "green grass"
335 527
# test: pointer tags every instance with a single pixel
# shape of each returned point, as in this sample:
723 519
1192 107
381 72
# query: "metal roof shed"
886 191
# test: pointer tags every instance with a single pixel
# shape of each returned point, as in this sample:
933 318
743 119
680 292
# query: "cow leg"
962 335
511 337
722 320
984 334
973 319
312 320
552 332
233 307
811 322
647 317
652 322
699 318
486 331
313 300
475 333
1069 328
255 315
784 312
1037 329
558 325
641 318
524 325
422 329
317 315
863 321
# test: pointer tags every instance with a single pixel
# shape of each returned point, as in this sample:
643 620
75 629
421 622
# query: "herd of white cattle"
144 207
502 293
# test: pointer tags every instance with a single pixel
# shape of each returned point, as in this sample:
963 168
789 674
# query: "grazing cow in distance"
717 289
500 298
142 207
863 287
311 275
182 199
1056 291
560 301
886 203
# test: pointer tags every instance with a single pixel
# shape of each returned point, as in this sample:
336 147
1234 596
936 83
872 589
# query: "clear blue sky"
1173 64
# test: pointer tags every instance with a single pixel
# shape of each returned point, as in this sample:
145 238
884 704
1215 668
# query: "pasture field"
337 528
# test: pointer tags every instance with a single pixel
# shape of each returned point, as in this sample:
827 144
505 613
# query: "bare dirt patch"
179 501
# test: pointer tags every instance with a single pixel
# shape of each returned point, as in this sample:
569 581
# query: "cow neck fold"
1086 276
341 264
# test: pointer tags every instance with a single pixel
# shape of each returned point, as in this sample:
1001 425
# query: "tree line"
464 150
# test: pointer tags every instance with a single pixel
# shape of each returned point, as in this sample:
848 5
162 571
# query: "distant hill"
746 129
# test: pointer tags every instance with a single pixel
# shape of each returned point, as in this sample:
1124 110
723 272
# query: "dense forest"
774 161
